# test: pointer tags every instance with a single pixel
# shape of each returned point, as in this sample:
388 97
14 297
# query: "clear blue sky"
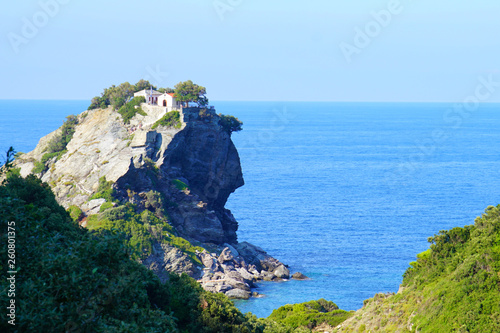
261 50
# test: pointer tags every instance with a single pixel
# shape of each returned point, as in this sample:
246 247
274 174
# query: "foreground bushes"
310 314
73 280
454 286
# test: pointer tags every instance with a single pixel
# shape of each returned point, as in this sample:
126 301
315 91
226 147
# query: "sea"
346 193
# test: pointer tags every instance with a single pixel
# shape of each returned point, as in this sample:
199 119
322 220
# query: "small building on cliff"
157 98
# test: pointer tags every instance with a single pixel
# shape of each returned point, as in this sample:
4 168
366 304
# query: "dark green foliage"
140 231
202 312
310 314
166 90
11 172
39 167
69 280
230 124
454 286
114 96
151 166
57 145
170 119
118 96
10 154
187 91
220 315
128 111
154 203
73 280
459 278
143 84
105 190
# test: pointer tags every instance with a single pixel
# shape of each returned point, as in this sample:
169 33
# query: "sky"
254 50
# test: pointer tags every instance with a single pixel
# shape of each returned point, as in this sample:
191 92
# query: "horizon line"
268 101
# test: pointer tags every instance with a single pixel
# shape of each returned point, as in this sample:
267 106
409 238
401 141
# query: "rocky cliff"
199 154
190 167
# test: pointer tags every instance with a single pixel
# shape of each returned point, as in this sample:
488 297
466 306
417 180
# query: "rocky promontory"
180 172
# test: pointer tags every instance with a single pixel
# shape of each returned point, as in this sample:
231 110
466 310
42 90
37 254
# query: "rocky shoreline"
236 270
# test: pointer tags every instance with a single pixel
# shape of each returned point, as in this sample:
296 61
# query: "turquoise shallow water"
346 193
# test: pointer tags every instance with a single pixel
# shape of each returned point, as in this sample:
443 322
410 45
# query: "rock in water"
238 294
299 276
282 272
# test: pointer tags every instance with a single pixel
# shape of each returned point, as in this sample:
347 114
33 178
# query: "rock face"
192 169
167 259
138 159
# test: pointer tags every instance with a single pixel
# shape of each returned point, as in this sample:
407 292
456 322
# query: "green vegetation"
452 287
39 167
140 230
105 190
187 91
73 280
106 205
75 213
230 124
170 119
180 185
166 90
463 268
129 110
57 146
310 314
205 114
9 158
118 96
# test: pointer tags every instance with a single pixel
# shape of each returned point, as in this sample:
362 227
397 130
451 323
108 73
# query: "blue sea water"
346 193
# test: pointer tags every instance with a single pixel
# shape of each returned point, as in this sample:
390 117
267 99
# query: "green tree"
118 96
166 90
187 91
143 84
230 123
9 158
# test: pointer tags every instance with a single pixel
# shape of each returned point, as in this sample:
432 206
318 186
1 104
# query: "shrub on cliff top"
129 110
230 124
170 119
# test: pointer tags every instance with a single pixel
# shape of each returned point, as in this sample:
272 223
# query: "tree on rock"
186 92
230 123
143 84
